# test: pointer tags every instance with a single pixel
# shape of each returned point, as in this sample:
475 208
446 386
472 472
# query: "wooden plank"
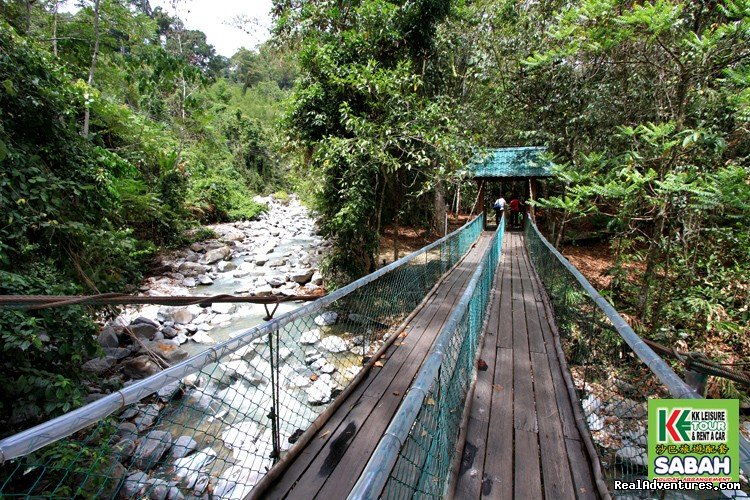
505 321
469 482
396 355
497 477
534 328
377 383
527 479
535 284
339 481
328 478
582 475
524 414
557 480
567 417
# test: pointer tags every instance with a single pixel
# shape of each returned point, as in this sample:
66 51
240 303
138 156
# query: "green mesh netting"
424 462
612 383
219 430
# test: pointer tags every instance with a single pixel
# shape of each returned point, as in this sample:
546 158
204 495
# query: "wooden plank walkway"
521 437
332 462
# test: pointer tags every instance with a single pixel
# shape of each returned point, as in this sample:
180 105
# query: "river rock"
275 281
236 482
140 367
143 320
143 331
217 254
187 468
97 366
263 291
169 391
158 489
191 269
226 266
127 430
352 371
169 332
168 350
201 336
223 308
333 344
182 316
319 392
221 318
189 282
146 417
233 235
183 446
108 337
317 278
275 262
134 485
151 449
124 450
310 337
199 483
302 276
197 247
241 438
174 493
323 366
328 318
633 455
117 352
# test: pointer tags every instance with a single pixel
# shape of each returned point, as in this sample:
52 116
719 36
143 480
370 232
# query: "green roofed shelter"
509 172
511 163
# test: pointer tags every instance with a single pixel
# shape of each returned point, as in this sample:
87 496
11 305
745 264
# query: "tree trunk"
439 219
561 232
652 259
95 55
54 29
395 240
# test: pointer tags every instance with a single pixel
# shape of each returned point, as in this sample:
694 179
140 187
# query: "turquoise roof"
511 162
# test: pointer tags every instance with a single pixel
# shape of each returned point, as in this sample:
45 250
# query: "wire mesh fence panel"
613 384
424 462
216 423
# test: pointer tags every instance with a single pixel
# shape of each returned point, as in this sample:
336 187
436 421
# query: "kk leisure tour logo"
693 440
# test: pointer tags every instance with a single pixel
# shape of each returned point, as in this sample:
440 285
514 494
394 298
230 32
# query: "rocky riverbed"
209 435
278 254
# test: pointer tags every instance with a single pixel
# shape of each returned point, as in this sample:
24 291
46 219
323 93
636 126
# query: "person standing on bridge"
515 207
499 207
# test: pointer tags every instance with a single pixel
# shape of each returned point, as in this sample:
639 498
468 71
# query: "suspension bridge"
481 366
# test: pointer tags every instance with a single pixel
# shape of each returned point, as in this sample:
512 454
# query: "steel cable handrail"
32 439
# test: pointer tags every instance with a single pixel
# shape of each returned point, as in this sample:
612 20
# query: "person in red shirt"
515 207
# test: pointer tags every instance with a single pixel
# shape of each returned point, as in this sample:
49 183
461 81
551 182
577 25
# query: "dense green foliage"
645 106
374 136
119 129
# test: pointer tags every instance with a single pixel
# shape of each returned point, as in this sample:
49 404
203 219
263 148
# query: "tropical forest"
136 160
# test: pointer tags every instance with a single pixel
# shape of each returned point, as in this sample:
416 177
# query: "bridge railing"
219 421
613 372
415 456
